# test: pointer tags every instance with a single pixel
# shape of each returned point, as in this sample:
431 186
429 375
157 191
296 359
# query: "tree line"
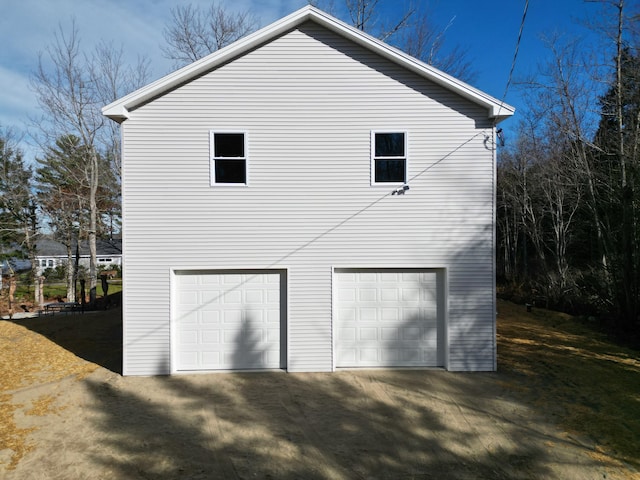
568 208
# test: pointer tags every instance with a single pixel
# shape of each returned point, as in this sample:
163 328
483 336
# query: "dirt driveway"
373 424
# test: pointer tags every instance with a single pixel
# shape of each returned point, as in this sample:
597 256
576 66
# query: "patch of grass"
575 372
54 290
44 405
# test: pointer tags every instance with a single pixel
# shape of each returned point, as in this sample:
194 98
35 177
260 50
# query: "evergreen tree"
617 160
18 224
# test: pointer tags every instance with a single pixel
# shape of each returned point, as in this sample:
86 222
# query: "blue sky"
488 30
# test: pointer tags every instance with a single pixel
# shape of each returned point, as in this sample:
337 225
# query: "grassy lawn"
54 290
570 369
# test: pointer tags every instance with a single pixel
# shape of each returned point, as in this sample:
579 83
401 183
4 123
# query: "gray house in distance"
308 199
51 254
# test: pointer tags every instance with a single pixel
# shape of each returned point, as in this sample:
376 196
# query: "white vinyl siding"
308 101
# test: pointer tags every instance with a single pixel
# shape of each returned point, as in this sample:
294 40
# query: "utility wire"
515 55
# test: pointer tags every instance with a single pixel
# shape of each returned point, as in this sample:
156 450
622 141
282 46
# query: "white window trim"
405 158
212 159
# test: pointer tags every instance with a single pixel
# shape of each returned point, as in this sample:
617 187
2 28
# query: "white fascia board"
119 110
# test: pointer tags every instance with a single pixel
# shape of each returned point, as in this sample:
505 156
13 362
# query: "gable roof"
119 110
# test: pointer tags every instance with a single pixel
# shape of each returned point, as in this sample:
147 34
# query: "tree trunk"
628 246
29 240
93 225
70 272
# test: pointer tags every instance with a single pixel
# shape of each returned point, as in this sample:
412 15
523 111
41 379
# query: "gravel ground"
67 413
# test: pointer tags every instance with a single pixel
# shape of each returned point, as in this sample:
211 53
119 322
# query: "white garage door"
390 318
230 320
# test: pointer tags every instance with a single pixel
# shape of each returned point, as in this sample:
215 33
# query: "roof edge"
119 109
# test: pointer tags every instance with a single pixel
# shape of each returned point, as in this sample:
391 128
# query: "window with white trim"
388 157
228 158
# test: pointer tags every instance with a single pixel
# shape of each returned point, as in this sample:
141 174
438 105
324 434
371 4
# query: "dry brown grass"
567 367
29 359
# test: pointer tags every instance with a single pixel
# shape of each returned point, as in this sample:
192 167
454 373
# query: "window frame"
213 158
405 133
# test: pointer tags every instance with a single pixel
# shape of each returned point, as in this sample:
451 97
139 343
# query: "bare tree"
564 101
540 193
411 30
365 16
115 78
586 166
194 32
426 41
71 87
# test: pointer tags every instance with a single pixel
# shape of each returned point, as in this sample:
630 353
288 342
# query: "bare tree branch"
195 33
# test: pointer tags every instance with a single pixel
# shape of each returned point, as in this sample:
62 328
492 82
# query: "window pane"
389 145
390 170
229 145
230 171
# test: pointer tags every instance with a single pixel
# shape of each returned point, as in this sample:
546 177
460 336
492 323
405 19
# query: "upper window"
389 157
228 158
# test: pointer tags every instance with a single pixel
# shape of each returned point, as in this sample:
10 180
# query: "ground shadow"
95 336
384 424
343 425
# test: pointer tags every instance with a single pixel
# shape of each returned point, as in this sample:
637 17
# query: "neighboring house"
267 221
51 254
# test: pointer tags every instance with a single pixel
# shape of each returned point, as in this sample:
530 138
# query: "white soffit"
119 110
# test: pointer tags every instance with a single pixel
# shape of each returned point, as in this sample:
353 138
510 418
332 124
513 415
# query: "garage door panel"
410 295
415 331
388 314
273 335
211 357
254 297
346 356
210 336
388 318
228 320
188 359
368 334
367 295
210 318
231 316
190 337
189 298
210 298
389 333
368 356
231 297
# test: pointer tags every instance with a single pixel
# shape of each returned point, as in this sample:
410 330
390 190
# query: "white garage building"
307 199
